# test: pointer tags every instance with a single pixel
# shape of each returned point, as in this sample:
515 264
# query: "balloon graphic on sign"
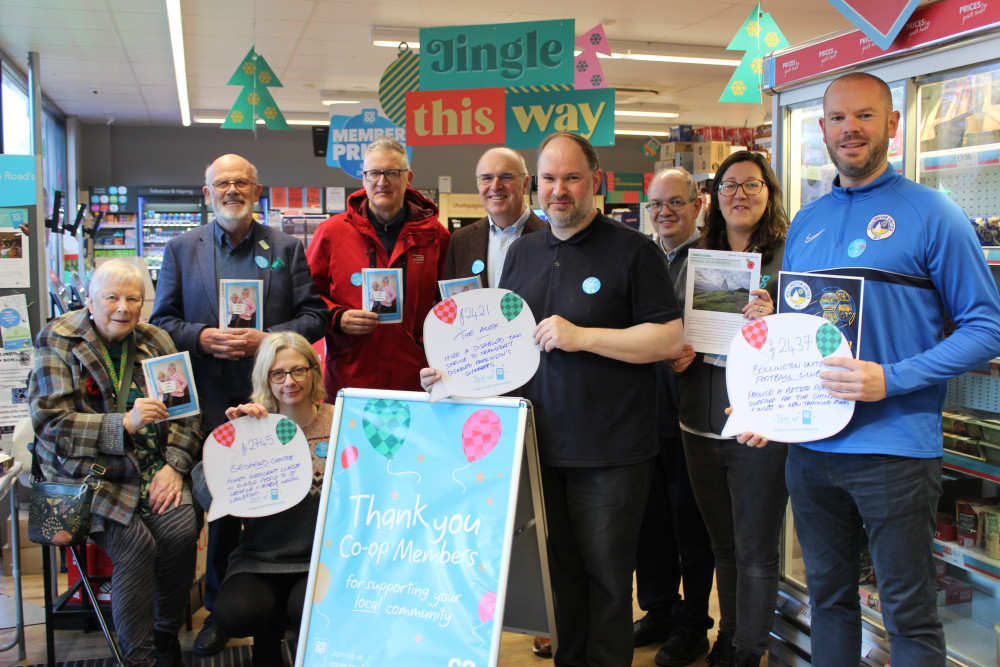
511 305
828 339
446 311
487 606
487 610
286 430
755 333
480 435
349 456
225 434
772 374
322 586
386 423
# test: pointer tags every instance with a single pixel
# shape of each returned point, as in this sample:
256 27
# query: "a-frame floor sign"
431 528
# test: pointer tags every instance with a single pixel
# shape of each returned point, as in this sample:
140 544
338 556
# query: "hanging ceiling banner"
455 117
879 21
350 136
533 116
497 55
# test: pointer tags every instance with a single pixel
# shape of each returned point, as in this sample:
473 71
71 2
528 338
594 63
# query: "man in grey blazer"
235 246
480 248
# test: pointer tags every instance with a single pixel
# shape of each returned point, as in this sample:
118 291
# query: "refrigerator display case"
944 74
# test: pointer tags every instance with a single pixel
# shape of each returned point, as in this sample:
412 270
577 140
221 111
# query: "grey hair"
253 168
117 271
388 144
688 178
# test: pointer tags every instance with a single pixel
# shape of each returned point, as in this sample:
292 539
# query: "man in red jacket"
386 225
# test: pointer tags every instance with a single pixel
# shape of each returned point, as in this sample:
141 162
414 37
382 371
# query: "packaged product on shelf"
946 529
869 597
940 569
968 514
991 531
952 591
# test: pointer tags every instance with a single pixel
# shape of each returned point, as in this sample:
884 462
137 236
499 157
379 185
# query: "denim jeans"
674 546
593 516
894 499
741 493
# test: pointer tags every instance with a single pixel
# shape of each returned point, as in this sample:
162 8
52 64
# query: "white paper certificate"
718 286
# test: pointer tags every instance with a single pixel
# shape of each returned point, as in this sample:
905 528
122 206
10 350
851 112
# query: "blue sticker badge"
261 261
856 248
356 279
478 266
321 448
591 285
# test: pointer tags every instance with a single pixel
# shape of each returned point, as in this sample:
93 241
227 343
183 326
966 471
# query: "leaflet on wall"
773 380
837 299
14 269
14 325
15 366
239 304
718 286
170 379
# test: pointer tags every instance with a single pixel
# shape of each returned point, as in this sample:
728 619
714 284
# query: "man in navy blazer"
234 247
480 248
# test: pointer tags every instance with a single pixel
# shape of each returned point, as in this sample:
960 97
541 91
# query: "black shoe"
723 653
744 659
211 639
682 647
652 628
168 650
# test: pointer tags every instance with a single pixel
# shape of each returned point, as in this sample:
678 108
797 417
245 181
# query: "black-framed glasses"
750 187
506 177
242 185
674 205
298 374
373 175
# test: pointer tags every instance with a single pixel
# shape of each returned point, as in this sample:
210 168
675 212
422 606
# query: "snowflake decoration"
595 39
753 28
582 65
595 80
249 67
237 116
369 116
738 88
771 39
271 113
264 77
253 99
757 65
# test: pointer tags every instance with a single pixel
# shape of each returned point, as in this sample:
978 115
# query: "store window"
16 119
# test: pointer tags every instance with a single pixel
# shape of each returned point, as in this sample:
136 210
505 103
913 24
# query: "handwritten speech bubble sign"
256 467
480 342
772 374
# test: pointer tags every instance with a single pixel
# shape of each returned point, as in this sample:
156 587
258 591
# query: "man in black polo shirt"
607 312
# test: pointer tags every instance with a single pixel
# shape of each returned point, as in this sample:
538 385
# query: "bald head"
878 88
502 178
231 189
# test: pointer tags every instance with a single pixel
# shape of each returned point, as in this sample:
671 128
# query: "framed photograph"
382 294
239 304
450 288
170 379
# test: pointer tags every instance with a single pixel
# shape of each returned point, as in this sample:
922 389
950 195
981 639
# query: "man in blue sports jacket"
922 265
235 246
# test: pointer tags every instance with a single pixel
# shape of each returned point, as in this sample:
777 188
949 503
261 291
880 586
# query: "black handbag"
59 513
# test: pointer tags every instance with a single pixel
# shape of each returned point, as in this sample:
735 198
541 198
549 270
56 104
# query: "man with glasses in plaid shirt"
386 225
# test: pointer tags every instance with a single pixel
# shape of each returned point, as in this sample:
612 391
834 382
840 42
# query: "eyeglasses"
675 205
298 374
506 177
241 185
373 175
750 188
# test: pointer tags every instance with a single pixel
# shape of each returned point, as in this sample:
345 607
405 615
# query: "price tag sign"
772 374
965 159
805 615
865 649
949 555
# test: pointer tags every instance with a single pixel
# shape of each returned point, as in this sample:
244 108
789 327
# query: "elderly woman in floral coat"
142 514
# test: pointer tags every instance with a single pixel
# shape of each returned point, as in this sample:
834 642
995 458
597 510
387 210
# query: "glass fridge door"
810 169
